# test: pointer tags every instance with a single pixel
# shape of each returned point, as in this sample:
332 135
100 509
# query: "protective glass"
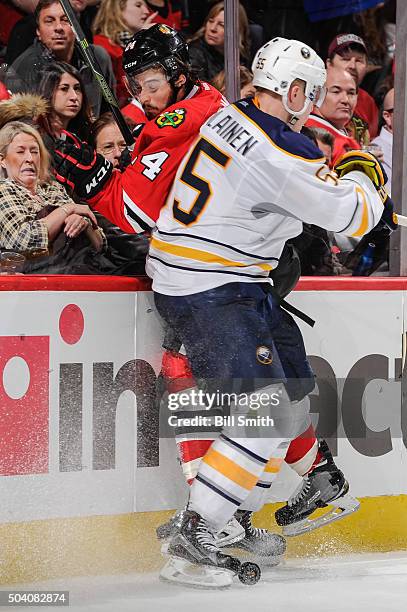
318 95
151 84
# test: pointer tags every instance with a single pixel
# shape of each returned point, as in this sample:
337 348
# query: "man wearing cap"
348 51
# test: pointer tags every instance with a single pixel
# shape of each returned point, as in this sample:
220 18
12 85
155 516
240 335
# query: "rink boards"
84 476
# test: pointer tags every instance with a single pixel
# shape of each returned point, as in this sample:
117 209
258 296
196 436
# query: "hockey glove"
388 219
364 162
77 165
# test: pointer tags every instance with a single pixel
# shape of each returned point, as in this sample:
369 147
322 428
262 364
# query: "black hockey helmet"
159 44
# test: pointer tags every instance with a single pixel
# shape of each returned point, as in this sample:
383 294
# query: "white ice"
355 583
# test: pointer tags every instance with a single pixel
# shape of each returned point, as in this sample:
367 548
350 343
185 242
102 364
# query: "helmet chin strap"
295 115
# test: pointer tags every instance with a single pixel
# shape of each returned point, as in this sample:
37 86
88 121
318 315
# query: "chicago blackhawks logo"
171 119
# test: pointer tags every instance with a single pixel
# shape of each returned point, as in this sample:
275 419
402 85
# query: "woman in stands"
107 139
247 89
206 46
127 251
115 24
36 215
62 86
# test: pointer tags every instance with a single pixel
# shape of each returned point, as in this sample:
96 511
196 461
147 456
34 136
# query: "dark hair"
98 125
104 120
323 135
42 4
51 78
219 80
244 30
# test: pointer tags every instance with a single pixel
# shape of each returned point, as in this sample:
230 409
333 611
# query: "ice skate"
325 485
228 536
171 527
196 560
268 548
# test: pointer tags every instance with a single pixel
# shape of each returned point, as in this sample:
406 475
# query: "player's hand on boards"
364 162
77 165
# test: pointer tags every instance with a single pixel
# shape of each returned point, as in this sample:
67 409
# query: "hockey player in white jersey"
241 192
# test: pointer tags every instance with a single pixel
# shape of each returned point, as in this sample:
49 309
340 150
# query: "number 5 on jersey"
198 183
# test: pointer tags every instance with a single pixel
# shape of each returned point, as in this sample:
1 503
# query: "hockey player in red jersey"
176 104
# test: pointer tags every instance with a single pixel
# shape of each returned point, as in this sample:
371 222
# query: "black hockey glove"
77 165
388 220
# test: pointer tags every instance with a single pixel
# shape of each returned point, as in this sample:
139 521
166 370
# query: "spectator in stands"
349 52
56 42
62 86
247 89
337 110
325 142
24 31
385 138
108 139
206 46
127 251
10 15
169 12
115 24
34 212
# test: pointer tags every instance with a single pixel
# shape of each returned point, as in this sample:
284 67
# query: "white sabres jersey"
243 189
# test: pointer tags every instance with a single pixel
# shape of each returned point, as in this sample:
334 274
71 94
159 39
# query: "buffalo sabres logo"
171 119
264 355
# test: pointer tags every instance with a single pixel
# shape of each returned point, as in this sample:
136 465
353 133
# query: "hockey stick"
91 61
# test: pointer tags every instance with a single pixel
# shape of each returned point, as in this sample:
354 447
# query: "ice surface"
354 583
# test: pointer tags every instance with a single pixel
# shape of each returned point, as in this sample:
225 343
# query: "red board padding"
37 282
61 282
351 283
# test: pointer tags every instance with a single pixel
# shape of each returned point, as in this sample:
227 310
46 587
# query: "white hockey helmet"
280 61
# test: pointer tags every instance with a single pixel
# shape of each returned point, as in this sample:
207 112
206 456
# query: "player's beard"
153 111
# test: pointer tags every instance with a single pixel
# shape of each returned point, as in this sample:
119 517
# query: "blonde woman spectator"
206 47
247 89
115 24
34 212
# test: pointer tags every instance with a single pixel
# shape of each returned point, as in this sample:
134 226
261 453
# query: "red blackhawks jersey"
133 199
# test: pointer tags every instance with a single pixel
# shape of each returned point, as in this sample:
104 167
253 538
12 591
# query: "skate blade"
164 547
268 561
180 571
341 508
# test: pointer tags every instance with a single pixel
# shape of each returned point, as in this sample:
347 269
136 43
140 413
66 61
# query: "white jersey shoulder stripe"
319 160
